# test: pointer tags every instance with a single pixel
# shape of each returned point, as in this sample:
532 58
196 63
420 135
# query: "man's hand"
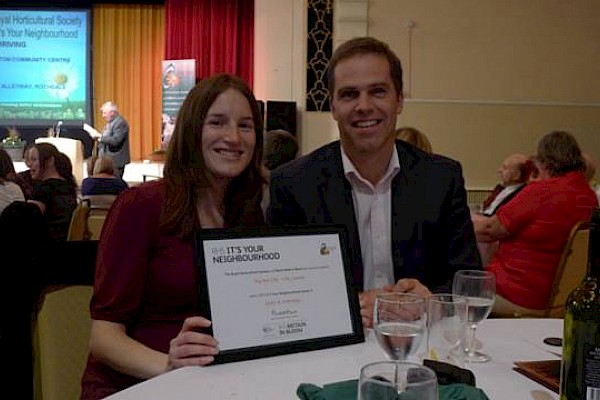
367 302
409 285
367 299
94 134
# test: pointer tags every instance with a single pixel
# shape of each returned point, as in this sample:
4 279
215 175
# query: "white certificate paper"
268 290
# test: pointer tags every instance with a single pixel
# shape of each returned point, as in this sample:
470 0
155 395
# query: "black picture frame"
293 345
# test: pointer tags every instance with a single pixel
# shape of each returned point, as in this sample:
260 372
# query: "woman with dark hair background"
9 189
55 193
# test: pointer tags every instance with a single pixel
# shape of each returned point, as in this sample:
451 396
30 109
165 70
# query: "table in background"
274 378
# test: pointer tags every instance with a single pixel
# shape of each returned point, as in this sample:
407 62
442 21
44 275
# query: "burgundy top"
539 220
144 279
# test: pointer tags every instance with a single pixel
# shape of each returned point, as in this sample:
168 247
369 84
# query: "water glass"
397 380
399 323
446 328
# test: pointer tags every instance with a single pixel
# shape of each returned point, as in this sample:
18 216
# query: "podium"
73 149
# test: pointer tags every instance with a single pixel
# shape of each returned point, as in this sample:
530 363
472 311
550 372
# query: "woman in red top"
145 311
534 226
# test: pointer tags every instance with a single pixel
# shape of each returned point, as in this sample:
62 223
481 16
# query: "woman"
415 137
9 189
145 306
55 193
102 179
534 226
24 177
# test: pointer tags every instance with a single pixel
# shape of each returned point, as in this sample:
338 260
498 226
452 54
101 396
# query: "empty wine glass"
479 289
399 323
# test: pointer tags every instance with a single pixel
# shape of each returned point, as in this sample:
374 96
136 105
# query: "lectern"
73 148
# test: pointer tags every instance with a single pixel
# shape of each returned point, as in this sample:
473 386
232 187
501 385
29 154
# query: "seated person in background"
513 173
405 210
56 192
534 227
145 313
103 179
24 177
281 147
9 190
414 137
534 174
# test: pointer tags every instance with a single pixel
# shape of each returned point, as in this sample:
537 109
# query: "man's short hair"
280 147
365 45
109 106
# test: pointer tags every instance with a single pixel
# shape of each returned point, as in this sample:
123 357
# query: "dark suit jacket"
432 232
115 141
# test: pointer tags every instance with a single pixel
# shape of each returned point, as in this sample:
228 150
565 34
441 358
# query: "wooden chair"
78 229
571 269
62 342
99 206
88 218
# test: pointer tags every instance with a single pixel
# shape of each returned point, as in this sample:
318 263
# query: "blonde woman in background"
103 180
415 137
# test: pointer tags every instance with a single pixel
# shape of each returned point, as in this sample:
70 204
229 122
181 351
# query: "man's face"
509 171
365 105
108 115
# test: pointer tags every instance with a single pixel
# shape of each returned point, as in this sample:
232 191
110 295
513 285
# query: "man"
280 147
513 174
405 210
114 139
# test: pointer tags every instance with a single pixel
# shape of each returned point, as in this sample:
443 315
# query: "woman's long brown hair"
185 171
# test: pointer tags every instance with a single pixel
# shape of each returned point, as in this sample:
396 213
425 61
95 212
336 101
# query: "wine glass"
479 289
393 380
399 323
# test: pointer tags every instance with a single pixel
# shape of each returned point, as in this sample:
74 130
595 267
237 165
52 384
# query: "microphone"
58 125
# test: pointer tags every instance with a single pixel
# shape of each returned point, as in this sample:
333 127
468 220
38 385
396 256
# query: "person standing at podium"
113 141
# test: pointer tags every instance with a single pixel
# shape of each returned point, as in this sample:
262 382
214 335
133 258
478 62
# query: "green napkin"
347 390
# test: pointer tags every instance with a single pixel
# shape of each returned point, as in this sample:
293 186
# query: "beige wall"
483 78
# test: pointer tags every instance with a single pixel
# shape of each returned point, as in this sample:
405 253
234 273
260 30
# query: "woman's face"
228 137
28 157
34 164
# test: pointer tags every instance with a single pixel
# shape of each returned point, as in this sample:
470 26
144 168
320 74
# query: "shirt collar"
351 172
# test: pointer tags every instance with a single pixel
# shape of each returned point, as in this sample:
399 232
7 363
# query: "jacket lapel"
335 195
406 204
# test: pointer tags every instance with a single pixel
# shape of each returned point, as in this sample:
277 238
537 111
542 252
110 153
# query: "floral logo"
61 80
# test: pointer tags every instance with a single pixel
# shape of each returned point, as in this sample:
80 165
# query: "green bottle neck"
593 267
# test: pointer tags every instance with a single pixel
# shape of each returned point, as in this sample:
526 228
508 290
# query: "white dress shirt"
504 193
373 210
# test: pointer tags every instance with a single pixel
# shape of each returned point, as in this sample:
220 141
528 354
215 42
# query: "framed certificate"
277 290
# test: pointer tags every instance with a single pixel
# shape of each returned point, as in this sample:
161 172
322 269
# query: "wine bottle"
580 367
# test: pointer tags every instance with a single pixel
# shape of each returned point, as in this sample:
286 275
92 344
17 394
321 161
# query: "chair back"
62 335
78 229
571 269
99 206
89 215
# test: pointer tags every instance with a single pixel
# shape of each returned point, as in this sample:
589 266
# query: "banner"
178 78
44 59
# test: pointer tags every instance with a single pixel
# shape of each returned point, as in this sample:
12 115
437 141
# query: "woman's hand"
191 347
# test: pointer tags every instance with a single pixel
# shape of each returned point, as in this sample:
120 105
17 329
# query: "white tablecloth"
275 378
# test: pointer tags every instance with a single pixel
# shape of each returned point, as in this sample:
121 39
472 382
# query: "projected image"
44 65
